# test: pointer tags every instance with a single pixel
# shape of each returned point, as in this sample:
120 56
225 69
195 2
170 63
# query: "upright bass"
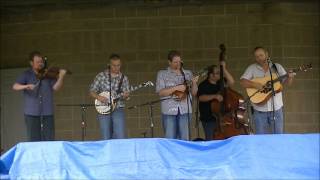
230 112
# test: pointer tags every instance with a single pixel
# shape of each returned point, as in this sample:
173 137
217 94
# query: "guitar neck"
280 78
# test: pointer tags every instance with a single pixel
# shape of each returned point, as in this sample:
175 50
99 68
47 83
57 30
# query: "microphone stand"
39 95
273 94
187 90
0 132
110 96
150 104
83 108
198 138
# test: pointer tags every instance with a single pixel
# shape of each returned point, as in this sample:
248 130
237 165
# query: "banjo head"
104 108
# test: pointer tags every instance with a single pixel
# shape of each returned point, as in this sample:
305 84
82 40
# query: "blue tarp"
241 157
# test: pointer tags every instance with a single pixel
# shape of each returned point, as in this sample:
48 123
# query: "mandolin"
181 95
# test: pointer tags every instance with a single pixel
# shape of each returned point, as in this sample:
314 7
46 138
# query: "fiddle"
50 73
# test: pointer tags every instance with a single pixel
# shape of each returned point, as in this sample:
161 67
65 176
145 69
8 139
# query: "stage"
287 156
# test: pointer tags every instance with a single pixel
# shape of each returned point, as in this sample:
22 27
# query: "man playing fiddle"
38 98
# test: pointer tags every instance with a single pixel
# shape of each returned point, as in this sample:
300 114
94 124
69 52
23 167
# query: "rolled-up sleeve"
94 87
248 74
126 84
281 70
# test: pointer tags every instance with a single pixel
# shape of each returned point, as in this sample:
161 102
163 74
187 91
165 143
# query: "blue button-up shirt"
168 78
42 93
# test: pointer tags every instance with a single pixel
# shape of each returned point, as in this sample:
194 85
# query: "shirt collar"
107 73
260 68
171 70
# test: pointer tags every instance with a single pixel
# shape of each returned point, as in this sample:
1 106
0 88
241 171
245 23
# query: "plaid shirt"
101 83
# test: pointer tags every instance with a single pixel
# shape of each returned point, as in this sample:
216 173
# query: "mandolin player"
112 126
176 114
268 115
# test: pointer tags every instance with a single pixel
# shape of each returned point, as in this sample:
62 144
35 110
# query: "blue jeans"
176 126
264 123
209 129
34 131
114 129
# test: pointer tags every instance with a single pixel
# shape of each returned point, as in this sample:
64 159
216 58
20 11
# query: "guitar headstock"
148 83
305 67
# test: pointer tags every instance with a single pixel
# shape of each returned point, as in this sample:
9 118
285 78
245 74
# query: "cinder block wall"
81 37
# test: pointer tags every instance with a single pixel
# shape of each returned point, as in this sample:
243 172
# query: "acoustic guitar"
261 96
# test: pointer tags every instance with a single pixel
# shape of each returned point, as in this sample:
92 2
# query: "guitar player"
264 112
112 126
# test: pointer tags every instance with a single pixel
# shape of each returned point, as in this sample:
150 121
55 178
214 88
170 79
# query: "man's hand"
218 97
195 79
62 72
223 64
30 87
102 99
291 74
181 88
126 95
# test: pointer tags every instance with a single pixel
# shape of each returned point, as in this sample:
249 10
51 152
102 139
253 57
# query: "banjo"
109 106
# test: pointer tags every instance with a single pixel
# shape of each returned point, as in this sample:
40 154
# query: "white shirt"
256 71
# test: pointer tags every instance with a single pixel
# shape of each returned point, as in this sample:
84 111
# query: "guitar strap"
120 84
276 69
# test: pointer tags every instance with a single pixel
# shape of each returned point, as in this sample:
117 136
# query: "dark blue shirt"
43 92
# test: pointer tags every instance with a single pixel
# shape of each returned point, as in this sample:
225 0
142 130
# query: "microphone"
269 60
45 62
181 65
181 70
